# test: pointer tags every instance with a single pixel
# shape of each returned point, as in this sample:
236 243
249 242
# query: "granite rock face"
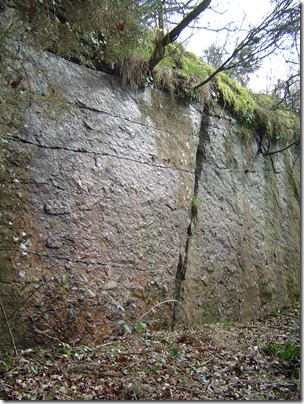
115 201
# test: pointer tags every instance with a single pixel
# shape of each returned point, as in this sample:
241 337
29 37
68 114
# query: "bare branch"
284 148
263 40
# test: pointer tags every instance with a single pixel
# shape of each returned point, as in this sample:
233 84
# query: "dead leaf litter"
210 362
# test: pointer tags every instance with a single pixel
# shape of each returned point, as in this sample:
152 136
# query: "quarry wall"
116 201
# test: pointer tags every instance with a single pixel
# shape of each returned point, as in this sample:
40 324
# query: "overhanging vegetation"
109 36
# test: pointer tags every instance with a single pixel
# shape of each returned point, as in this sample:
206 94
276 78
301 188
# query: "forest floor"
259 361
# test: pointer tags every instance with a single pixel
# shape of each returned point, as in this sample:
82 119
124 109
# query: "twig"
6 29
9 329
132 353
158 304
87 368
108 343
26 299
254 326
45 333
191 390
275 384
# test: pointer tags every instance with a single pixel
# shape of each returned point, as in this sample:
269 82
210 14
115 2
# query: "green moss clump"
236 99
255 111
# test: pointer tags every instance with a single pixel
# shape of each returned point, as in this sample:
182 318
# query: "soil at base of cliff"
210 362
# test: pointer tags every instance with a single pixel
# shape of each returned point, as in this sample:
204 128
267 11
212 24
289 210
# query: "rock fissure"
95 153
81 105
105 265
184 258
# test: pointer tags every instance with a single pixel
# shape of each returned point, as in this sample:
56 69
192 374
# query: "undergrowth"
210 362
286 351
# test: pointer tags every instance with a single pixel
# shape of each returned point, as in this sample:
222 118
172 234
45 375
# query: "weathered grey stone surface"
97 184
243 259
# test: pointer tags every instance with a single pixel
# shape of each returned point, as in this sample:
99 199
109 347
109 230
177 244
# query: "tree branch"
263 40
284 148
170 37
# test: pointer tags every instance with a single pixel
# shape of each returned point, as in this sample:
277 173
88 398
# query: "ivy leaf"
127 328
65 279
141 326
92 294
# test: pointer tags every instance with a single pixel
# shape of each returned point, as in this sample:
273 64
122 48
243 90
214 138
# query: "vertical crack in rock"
180 276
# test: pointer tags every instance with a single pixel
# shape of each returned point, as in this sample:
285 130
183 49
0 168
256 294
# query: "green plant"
31 397
63 283
141 326
208 319
196 206
227 324
286 351
125 323
160 357
34 369
6 363
188 95
176 354
86 348
65 348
